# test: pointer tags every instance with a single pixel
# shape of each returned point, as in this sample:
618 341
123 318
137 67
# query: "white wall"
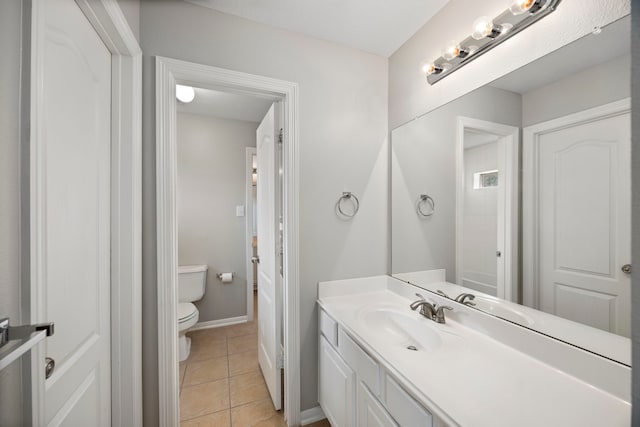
343 131
480 221
589 88
10 210
409 93
211 183
423 160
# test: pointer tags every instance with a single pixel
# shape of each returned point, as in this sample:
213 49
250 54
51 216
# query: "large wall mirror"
520 192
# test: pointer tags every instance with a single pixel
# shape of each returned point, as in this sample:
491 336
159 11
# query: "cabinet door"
337 387
370 411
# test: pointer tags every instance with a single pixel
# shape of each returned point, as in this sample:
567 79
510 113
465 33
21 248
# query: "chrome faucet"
464 298
428 310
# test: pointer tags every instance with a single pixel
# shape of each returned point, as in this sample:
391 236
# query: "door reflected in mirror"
531 178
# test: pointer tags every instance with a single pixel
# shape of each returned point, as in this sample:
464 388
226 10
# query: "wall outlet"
240 210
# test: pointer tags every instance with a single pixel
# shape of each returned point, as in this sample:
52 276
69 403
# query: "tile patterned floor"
221 384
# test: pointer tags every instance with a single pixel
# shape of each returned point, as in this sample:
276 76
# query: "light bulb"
185 94
483 27
451 51
518 7
434 69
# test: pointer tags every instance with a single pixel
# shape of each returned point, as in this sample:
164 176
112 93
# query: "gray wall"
423 160
10 211
635 217
211 183
590 88
343 131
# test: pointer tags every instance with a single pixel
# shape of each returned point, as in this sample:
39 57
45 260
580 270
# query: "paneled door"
269 279
71 211
583 181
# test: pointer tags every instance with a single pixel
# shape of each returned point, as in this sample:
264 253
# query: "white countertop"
472 379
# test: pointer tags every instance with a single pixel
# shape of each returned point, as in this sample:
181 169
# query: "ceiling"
613 42
376 26
226 105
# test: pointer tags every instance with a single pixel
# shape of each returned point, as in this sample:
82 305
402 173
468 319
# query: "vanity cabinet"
356 390
338 395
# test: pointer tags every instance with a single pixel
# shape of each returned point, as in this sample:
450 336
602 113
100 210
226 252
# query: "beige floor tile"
219 419
250 328
211 334
243 343
206 370
323 423
203 399
182 367
242 363
203 349
247 388
257 414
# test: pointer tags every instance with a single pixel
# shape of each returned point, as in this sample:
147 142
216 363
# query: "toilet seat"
186 312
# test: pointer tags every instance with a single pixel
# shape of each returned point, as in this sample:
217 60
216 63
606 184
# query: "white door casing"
85 175
71 279
579 180
269 286
508 199
168 72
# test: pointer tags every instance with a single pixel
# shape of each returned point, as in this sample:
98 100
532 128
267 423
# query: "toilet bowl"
191 285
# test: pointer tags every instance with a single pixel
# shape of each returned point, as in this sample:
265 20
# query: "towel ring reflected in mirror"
347 195
425 199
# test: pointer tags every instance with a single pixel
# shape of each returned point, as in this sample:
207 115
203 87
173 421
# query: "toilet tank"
191 282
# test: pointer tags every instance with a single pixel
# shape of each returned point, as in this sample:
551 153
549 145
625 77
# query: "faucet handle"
439 317
439 292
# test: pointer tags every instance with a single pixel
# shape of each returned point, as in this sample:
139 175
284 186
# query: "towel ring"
425 199
347 195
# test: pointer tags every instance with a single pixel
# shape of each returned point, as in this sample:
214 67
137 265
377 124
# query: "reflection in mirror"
531 178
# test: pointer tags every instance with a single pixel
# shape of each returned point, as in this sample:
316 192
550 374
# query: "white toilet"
191 283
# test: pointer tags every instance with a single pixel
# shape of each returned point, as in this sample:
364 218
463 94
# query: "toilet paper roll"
226 277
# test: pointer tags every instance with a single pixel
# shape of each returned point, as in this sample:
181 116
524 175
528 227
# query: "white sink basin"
404 329
503 310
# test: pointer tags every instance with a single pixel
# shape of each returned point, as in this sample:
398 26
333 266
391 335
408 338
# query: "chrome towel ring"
347 195
425 199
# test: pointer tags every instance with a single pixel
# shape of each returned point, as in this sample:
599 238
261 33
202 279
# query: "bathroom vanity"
382 364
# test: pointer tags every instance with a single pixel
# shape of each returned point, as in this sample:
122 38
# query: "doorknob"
626 268
498 254
255 260
49 366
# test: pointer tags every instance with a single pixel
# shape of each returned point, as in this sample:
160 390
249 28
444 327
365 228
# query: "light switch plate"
240 210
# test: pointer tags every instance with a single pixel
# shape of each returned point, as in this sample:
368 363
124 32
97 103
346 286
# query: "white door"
584 184
269 281
70 211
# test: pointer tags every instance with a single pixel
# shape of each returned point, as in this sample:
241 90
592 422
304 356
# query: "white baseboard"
311 416
219 323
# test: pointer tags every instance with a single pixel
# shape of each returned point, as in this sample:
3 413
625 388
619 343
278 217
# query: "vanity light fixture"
486 34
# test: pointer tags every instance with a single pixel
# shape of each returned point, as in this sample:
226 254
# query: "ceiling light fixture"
486 34
185 94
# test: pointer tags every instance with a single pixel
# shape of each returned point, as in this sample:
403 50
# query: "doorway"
487 207
169 72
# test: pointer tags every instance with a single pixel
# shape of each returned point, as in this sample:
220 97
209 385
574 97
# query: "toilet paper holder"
221 276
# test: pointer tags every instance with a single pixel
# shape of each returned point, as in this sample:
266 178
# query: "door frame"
530 191
509 238
249 153
167 73
126 206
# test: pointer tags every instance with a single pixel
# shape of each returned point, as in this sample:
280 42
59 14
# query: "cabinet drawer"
371 413
403 408
329 328
366 368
